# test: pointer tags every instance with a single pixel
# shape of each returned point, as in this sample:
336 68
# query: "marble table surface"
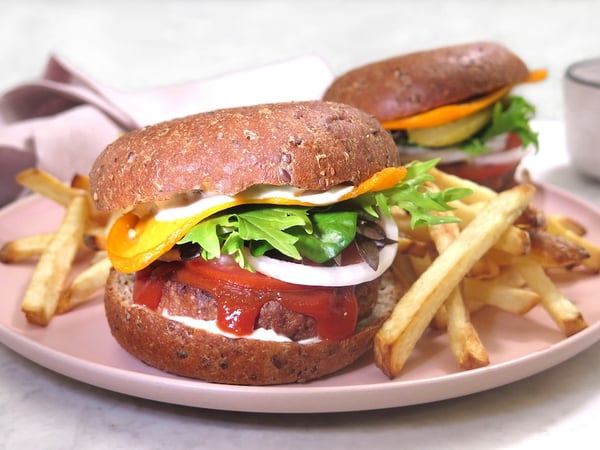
135 44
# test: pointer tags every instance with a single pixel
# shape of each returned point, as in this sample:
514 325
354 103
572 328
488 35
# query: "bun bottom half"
179 349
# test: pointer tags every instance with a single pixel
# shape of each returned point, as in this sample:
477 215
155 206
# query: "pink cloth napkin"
62 121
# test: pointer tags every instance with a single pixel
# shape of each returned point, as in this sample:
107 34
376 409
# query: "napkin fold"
62 121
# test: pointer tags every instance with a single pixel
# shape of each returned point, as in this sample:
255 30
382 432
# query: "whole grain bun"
409 84
311 145
182 350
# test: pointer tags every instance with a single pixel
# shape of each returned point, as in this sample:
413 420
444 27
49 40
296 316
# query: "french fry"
532 218
485 268
510 276
465 344
403 269
403 222
479 193
25 248
514 241
95 238
515 300
406 245
97 217
48 186
399 334
80 182
440 320
84 285
536 240
563 312
54 251
593 261
43 292
553 251
31 247
500 258
567 223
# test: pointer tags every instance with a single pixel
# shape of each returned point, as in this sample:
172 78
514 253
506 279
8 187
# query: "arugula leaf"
207 234
411 196
269 224
234 245
227 233
513 117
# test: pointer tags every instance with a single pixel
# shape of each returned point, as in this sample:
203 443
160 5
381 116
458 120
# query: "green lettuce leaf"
332 232
317 233
510 117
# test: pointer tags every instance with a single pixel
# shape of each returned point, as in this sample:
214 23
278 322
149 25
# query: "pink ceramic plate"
79 344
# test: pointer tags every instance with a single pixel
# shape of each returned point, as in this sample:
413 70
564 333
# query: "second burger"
452 103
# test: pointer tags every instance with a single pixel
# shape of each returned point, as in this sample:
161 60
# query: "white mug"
581 88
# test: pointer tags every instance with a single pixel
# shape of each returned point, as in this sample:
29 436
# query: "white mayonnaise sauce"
261 334
192 205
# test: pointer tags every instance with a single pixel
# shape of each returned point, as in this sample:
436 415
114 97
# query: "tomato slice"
493 175
241 294
225 269
147 289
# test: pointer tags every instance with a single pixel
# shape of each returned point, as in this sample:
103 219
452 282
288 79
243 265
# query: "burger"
252 245
453 103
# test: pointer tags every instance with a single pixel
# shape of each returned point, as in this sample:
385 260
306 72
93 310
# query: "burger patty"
180 299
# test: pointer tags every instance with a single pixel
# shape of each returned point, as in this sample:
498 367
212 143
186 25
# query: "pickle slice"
452 132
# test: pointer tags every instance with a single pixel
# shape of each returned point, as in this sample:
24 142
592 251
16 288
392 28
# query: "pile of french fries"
59 283
503 253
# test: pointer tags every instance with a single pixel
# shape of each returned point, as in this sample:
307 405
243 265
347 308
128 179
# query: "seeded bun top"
409 84
312 145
